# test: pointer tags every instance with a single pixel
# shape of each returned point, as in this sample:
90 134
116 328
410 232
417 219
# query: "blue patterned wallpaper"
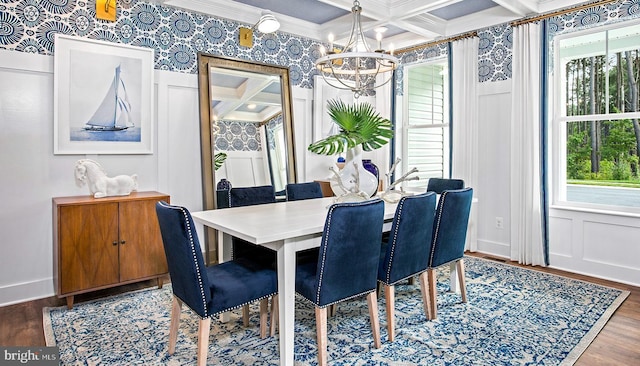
238 136
176 35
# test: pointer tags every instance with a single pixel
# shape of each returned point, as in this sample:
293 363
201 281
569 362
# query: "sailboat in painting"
114 113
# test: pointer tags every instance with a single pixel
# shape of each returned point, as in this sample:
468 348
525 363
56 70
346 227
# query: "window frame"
559 121
402 129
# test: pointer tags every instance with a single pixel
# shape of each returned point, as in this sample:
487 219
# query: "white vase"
368 183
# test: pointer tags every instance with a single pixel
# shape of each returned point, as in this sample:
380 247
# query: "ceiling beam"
411 8
247 90
520 8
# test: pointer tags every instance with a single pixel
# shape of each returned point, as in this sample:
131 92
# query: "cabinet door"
88 237
141 250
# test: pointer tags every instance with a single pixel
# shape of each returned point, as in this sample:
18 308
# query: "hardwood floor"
617 344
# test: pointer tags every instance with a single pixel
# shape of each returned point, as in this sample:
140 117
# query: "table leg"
286 297
453 278
224 254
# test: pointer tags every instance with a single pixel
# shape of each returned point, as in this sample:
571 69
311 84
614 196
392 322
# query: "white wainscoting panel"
562 240
243 169
492 192
600 237
602 245
302 128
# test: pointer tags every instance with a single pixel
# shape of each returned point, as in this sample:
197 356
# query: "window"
596 135
424 132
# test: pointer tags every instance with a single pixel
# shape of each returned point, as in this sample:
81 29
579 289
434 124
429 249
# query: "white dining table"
285 227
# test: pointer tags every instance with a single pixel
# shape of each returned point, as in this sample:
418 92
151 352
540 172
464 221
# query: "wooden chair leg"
372 300
274 314
264 315
176 307
321 331
461 280
411 281
245 315
424 289
433 294
333 310
203 340
390 298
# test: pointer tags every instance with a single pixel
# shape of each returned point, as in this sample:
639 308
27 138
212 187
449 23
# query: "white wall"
599 244
33 175
494 100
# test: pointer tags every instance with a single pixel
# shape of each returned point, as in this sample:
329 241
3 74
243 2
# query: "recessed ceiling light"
380 29
251 106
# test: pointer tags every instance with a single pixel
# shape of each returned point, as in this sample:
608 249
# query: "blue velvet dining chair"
439 185
449 236
297 192
303 191
406 254
249 196
347 264
207 290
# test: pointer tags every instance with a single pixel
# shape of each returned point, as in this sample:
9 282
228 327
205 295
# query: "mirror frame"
205 62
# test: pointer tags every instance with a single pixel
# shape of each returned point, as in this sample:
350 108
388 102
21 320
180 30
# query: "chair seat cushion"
239 282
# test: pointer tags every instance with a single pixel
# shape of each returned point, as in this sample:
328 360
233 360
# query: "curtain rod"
561 12
437 42
513 24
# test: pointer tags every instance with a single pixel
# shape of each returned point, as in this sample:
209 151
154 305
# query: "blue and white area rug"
513 316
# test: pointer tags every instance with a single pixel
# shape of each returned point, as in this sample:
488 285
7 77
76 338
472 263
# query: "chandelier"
356 67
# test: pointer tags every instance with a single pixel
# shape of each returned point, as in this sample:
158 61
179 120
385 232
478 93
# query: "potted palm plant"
361 128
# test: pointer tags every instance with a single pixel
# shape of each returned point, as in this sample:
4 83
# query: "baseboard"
26 291
494 248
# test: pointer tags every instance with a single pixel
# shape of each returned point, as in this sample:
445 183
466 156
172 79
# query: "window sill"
606 210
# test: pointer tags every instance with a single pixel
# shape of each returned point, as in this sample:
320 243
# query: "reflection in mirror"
245 112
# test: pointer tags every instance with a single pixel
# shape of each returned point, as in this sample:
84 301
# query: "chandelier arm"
356 67
345 86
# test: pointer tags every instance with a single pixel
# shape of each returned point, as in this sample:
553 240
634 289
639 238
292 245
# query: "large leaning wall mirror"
250 105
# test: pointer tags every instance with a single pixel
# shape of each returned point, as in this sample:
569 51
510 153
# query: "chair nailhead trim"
436 230
338 301
326 238
395 236
195 258
241 305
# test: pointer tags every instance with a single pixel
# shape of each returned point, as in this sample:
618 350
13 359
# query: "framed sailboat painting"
103 97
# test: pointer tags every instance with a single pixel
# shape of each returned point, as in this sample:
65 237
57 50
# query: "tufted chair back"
440 185
409 246
303 191
450 226
184 257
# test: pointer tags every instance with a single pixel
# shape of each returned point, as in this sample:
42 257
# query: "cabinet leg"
70 302
159 282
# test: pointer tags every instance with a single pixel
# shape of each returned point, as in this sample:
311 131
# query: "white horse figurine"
99 184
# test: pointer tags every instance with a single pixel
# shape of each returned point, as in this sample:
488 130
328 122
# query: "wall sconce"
106 10
267 24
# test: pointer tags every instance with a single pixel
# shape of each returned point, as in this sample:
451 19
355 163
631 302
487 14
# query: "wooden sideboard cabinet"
105 242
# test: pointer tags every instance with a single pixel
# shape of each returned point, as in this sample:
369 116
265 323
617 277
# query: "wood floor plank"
617 344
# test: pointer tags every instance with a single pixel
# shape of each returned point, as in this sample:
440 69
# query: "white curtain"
464 104
527 244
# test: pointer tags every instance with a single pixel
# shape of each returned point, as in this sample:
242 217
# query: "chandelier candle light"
356 67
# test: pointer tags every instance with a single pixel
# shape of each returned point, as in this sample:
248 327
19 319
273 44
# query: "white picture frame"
95 83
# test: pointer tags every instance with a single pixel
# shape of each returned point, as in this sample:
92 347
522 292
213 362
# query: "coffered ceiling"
408 22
